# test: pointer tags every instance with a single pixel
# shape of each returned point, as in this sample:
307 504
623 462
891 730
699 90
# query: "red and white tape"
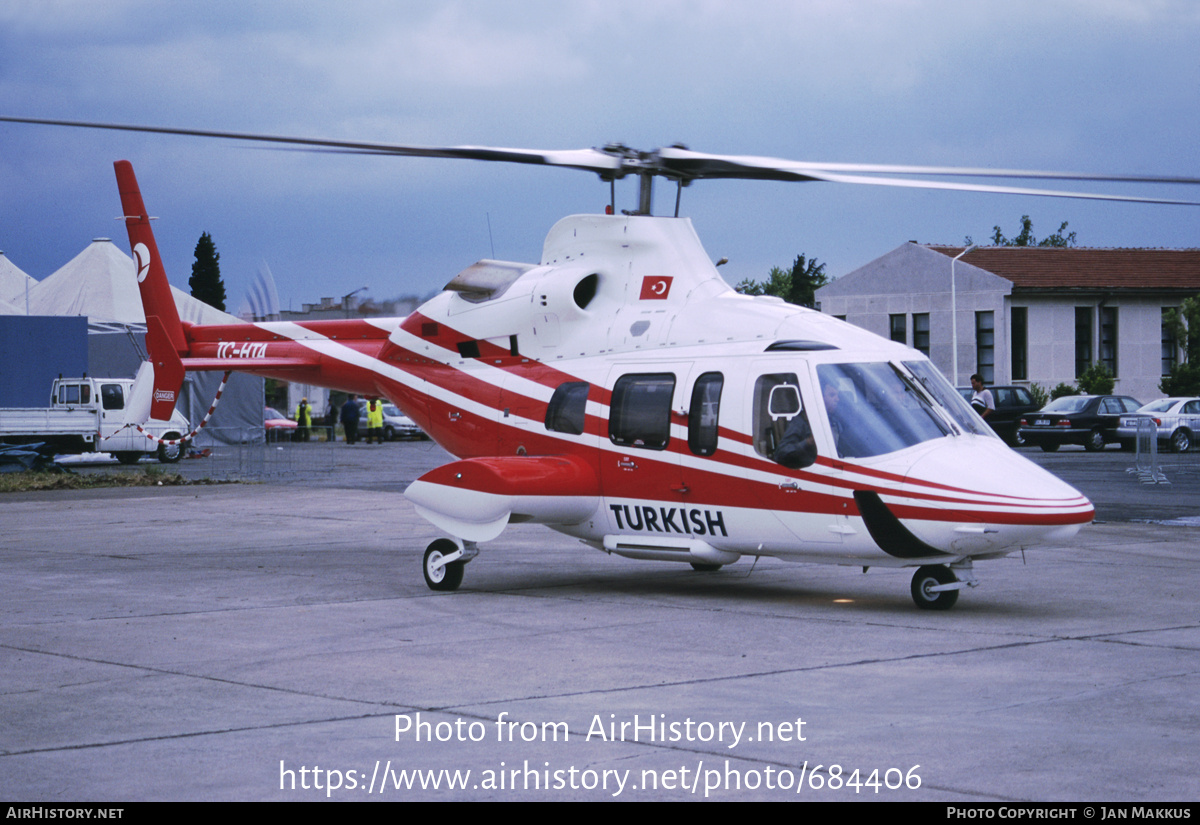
173 441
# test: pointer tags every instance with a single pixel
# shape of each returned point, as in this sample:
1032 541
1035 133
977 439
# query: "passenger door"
782 403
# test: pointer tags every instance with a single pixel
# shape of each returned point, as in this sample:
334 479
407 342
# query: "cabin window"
704 413
112 397
640 413
74 394
567 410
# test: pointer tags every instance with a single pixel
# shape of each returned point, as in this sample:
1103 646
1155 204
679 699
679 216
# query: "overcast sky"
1083 85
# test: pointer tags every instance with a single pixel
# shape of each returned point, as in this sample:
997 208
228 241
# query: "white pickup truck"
87 415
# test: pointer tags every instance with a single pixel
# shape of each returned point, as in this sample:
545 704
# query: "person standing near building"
350 413
303 420
982 401
374 421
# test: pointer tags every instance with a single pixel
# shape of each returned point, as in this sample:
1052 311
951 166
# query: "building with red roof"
1025 314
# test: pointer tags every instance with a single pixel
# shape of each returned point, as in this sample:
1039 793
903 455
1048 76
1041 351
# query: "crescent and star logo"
141 255
655 288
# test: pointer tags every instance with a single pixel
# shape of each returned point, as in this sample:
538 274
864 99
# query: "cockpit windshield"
874 409
952 402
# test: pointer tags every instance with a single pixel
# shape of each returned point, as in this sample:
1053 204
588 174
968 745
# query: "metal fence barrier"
1146 465
235 453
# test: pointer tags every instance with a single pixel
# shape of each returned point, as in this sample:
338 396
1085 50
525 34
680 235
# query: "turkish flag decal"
655 288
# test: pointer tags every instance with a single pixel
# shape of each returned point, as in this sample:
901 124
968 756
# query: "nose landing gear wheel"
440 576
932 575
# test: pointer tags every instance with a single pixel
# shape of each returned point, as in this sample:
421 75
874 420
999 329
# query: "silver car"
396 425
1176 419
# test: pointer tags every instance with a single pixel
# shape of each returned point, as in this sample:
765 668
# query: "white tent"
13 283
101 283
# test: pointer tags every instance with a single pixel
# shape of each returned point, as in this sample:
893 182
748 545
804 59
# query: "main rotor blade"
591 160
704 165
692 165
683 164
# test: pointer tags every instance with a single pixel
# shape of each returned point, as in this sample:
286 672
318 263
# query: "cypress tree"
206 281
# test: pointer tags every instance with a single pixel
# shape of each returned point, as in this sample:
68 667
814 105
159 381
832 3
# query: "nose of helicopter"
990 497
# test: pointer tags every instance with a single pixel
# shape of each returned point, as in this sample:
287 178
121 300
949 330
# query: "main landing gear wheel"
441 576
702 567
931 575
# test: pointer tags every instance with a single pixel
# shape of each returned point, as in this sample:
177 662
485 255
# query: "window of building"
567 410
704 413
1083 339
1020 343
921 333
1108 338
640 413
1170 347
985 346
898 327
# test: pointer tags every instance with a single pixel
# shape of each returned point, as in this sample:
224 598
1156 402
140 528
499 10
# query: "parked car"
1012 403
279 427
1176 419
1090 420
396 425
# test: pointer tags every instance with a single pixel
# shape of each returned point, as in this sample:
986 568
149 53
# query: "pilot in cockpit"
798 448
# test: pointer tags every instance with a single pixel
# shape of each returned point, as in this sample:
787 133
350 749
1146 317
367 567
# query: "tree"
1025 236
797 285
206 281
1184 325
1096 380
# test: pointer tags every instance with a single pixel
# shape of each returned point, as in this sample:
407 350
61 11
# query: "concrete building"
1025 315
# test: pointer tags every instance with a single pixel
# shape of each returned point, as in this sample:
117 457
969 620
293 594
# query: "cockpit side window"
567 410
781 428
704 413
640 412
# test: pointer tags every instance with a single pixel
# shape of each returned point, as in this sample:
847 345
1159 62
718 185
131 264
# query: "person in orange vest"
375 421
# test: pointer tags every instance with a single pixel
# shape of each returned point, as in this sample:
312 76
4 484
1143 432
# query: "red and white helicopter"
620 392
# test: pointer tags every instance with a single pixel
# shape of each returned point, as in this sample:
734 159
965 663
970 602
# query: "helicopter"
618 391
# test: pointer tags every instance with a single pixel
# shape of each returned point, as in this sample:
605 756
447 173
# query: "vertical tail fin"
165 340
152 278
